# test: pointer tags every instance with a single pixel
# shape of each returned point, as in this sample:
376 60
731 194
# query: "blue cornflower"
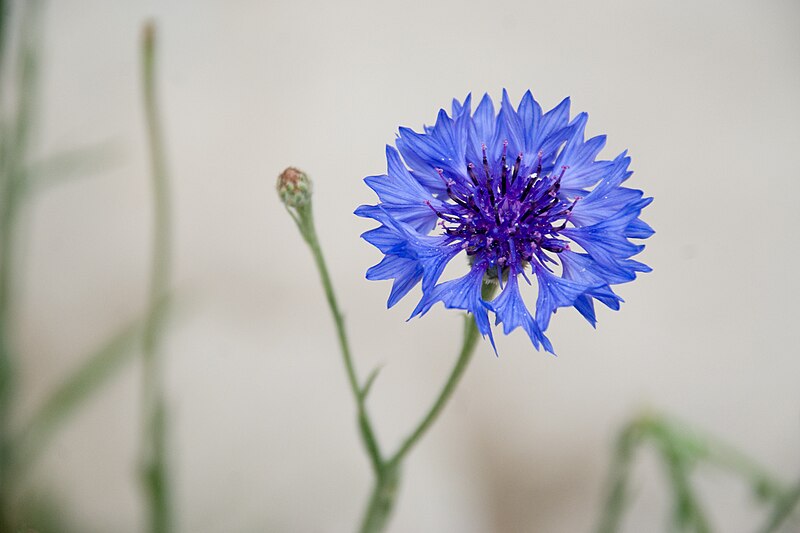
521 194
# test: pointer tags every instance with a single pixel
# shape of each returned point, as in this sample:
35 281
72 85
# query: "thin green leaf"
96 370
370 380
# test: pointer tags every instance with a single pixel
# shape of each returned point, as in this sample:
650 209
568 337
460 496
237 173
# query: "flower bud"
294 188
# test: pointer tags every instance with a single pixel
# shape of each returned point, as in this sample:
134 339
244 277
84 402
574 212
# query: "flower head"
521 195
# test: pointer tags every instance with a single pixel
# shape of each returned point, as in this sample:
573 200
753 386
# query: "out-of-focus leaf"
72 164
97 368
42 512
782 514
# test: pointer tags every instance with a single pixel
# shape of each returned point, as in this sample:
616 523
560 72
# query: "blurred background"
704 95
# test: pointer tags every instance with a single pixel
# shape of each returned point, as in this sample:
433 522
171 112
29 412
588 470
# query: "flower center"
504 217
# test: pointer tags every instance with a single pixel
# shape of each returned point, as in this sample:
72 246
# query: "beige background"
704 94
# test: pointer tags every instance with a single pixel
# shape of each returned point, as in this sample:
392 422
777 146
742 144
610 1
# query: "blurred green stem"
14 137
614 508
8 203
154 449
783 510
680 449
8 211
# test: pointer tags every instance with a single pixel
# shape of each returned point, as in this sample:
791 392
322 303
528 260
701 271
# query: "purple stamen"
506 224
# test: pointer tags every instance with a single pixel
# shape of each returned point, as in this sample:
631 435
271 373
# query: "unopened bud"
294 188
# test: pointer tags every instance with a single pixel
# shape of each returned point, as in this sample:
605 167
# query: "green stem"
469 341
381 501
154 449
304 218
387 472
384 492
